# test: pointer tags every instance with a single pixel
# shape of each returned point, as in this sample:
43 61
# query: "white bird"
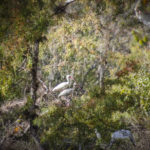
67 91
98 135
122 134
69 1
63 85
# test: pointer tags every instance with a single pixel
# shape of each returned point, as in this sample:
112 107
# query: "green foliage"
73 46
22 22
105 112
140 39
76 42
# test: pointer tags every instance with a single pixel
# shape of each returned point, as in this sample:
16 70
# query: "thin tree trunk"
36 140
93 66
35 60
101 77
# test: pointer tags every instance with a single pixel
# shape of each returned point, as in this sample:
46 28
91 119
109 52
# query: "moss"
145 39
141 42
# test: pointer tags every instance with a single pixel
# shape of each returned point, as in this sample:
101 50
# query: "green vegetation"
102 45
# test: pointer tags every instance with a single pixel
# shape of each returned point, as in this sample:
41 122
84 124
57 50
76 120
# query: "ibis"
122 134
98 135
63 85
67 91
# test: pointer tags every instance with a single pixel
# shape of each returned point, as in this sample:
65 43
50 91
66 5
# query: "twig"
43 85
36 140
61 9
89 70
22 65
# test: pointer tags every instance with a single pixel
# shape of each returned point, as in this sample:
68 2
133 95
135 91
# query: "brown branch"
36 140
86 74
43 85
62 8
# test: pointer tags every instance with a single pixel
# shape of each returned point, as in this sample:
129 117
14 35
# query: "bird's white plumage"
63 85
66 92
98 135
69 1
122 134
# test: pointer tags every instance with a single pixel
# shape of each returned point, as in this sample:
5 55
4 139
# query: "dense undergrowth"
104 34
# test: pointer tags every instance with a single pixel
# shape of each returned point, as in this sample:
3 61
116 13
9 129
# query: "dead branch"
93 66
22 66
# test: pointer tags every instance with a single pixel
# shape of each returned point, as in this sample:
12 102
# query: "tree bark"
35 60
101 76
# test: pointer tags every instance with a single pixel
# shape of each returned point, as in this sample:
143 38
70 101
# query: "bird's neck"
68 82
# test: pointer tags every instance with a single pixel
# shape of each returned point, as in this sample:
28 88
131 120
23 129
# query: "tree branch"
62 8
85 75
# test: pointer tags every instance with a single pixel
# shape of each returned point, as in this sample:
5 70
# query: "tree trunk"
101 76
32 111
35 60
